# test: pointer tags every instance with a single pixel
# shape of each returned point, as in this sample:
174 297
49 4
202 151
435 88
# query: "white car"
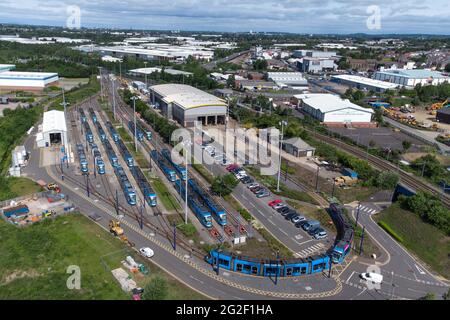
372 277
147 252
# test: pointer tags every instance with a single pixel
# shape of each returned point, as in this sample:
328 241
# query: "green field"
35 259
15 187
427 242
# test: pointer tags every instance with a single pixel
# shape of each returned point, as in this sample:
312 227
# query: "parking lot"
382 137
284 222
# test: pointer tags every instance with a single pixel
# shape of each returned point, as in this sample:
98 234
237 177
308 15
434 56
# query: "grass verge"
17 187
35 259
424 240
169 202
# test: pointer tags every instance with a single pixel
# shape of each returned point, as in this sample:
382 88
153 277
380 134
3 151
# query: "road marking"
350 276
420 270
271 222
298 237
283 231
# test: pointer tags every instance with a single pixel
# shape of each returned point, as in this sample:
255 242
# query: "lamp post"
101 83
134 98
114 99
282 123
186 144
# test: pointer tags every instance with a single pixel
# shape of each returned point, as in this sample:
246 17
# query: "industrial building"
288 79
316 65
334 111
298 148
443 115
147 71
27 81
186 104
364 83
410 78
53 131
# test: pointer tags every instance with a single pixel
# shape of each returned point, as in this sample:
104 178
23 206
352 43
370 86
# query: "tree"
387 180
224 185
260 65
156 289
429 296
406 145
231 81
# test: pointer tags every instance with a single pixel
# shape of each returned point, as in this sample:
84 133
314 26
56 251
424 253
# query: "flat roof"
158 69
367 81
326 102
298 143
54 121
286 76
416 73
186 96
19 75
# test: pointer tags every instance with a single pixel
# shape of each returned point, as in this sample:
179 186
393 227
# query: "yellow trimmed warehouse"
186 104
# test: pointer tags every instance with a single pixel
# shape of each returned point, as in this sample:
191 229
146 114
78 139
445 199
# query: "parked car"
247 180
146 252
283 210
301 223
291 214
311 224
253 185
298 218
320 234
312 231
231 167
279 205
257 188
274 202
263 194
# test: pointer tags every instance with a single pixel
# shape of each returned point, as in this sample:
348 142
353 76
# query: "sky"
295 16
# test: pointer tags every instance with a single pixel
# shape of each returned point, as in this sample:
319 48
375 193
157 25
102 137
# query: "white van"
372 277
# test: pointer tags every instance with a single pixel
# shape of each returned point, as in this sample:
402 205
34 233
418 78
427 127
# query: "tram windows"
224 262
254 270
319 266
289 271
239 267
247 268
303 270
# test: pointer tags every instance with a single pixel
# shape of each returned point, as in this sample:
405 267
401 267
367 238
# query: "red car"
231 167
274 202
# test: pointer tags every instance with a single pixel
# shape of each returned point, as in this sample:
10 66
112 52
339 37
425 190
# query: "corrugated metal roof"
326 102
186 96
54 121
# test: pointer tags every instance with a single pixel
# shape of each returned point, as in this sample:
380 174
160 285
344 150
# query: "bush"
245 214
187 229
388 229
156 289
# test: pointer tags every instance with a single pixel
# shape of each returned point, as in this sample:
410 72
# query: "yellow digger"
114 228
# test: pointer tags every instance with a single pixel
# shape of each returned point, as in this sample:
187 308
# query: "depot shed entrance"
54 130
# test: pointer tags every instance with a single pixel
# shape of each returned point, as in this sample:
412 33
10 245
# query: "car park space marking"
348 279
271 222
298 237
283 231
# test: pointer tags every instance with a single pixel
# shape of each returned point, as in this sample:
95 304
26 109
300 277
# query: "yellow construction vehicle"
124 238
114 228
436 106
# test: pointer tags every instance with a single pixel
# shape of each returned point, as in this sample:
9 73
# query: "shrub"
389 230
156 289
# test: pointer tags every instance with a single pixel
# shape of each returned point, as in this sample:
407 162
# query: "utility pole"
135 127
174 236
282 123
186 186
357 214
117 202
101 82
362 239
114 99
277 268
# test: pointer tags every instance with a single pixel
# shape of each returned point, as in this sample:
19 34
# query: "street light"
282 124
114 99
186 144
101 83
134 98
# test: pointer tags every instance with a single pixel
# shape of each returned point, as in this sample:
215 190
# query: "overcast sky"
297 16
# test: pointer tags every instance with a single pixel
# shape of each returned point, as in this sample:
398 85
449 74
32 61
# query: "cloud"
298 16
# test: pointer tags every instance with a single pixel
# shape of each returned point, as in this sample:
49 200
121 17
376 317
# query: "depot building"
186 104
53 130
331 110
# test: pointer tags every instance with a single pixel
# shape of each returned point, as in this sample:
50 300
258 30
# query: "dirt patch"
19 274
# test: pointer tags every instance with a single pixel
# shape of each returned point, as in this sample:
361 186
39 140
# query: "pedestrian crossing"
310 250
366 210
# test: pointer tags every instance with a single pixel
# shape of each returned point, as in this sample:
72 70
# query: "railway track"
406 178
133 213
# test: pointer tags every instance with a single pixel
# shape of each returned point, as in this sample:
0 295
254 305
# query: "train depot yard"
241 166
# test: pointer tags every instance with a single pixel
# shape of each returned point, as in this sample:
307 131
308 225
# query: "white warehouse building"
27 81
54 130
334 111
186 104
410 78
